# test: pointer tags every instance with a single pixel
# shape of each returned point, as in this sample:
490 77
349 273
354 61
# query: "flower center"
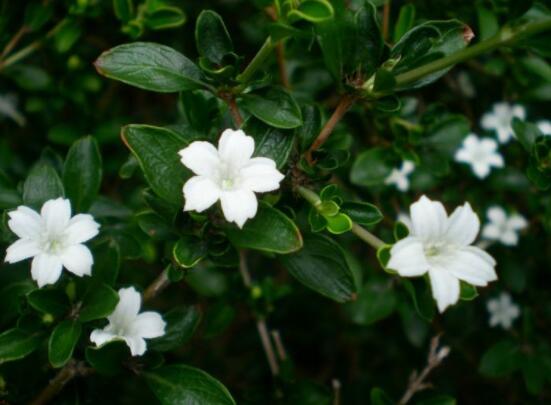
228 177
53 244
227 184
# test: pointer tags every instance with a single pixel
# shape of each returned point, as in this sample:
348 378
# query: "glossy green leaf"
406 18
17 343
124 9
275 107
468 292
181 325
107 360
376 301
501 359
362 213
371 167
368 40
189 251
314 11
42 184
270 142
98 303
211 37
165 17
339 223
62 342
49 301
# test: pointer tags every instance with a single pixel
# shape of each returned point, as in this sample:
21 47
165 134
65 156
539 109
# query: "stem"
506 36
15 39
234 111
344 105
386 18
280 53
257 62
71 370
281 352
336 384
158 285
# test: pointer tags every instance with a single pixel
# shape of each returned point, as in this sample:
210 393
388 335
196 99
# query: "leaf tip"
468 34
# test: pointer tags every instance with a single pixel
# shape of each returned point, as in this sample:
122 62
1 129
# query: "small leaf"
189 251
270 142
98 303
150 66
107 359
180 384
501 359
310 129
275 107
181 324
526 133
468 292
406 18
314 11
339 223
270 231
165 17
371 167
62 342
42 184
82 173
376 301
362 213
53 302
421 295
211 37
124 9
17 343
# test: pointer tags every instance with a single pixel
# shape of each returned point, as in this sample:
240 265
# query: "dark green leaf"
501 359
98 303
406 18
124 9
275 107
107 360
362 213
314 11
16 344
42 184
526 133
62 342
181 324
211 36
376 301
165 17
53 302
189 251
371 167
270 142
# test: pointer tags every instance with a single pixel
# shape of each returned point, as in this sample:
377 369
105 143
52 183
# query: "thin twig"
386 18
280 55
13 42
336 384
417 381
158 285
281 352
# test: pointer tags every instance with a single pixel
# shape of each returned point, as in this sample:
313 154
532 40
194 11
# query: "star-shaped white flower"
544 126
229 174
480 153
440 246
53 239
126 323
503 228
503 311
501 118
399 177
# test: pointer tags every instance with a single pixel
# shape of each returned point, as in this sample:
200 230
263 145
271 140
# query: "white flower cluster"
503 311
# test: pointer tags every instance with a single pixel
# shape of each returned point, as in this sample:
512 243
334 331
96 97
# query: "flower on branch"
503 311
126 323
500 120
440 246
399 177
53 239
229 174
480 153
503 228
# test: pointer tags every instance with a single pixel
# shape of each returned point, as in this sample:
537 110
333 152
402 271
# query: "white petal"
81 228
235 147
497 215
481 169
148 325
463 226
408 258
21 249
127 309
46 269
101 336
429 219
78 260
201 158
200 193
445 288
473 265
517 222
519 111
260 175
504 135
238 206
509 238
56 214
25 222
489 121
136 344
491 231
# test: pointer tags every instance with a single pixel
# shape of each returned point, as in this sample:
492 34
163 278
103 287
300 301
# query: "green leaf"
100 302
371 167
339 223
421 295
400 230
384 81
17 343
189 251
150 66
124 9
314 11
42 184
275 107
211 37
488 24
376 301
12 299
321 265
379 397
270 231
107 359
82 173
181 325
180 384
526 133
369 41
165 17
157 152
9 198
270 142
107 260
468 292
328 208
501 359
63 341
362 213
316 220
310 129
53 302
67 35
406 18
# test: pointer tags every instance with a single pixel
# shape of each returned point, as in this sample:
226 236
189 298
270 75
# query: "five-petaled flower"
480 153
229 174
53 239
503 228
440 246
503 311
501 118
399 177
544 126
126 323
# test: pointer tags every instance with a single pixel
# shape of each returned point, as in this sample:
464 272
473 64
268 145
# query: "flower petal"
429 219
201 158
200 193
260 175
445 288
517 222
101 336
497 215
46 269
148 325
239 205
81 228
235 147
463 226
78 260
25 222
136 344
56 214
473 265
128 307
407 257
21 249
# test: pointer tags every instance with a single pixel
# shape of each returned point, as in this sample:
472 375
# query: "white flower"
126 323
503 311
53 239
500 119
544 126
439 245
399 177
503 228
228 174
480 153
